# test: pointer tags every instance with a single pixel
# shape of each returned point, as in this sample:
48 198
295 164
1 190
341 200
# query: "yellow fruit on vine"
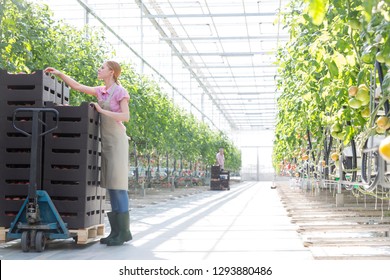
363 88
380 130
384 148
365 112
363 95
354 103
337 135
340 135
334 156
382 121
334 134
352 91
336 127
380 57
305 157
387 60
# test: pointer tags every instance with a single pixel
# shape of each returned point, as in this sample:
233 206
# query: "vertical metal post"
202 105
339 195
258 165
86 21
142 36
143 193
340 173
173 183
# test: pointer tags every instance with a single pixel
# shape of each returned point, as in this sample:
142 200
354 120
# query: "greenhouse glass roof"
216 58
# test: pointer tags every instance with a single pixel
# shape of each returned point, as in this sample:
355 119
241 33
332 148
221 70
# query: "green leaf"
317 10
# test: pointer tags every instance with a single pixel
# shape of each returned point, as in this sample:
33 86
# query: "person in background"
221 159
113 106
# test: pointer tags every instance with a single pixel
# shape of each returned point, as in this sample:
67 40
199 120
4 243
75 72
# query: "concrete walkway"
247 222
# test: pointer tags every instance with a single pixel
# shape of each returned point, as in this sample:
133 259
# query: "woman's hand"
97 107
52 71
70 81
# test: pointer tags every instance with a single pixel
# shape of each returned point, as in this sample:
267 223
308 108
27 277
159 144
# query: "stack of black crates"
219 178
69 157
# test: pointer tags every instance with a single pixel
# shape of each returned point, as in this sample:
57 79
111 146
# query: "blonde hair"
114 66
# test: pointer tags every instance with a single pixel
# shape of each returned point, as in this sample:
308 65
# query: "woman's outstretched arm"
71 82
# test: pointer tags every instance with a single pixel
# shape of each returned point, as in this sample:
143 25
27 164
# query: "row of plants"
328 71
30 39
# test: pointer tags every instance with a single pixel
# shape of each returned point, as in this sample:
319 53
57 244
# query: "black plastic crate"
80 213
12 197
101 196
14 190
37 78
215 185
224 175
30 97
75 203
215 170
8 156
16 155
7 108
78 167
65 94
74 174
82 157
69 189
14 172
58 92
22 121
25 90
225 184
17 180
14 165
7 111
71 141
9 208
77 214
85 110
14 140
83 119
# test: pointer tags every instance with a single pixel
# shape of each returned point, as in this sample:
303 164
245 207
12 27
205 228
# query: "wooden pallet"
3 232
81 236
89 234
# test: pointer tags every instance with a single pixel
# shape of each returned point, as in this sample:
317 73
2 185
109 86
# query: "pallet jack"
38 219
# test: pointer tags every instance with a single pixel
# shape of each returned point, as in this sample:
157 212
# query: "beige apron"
115 150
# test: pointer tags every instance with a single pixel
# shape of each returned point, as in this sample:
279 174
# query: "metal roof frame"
215 58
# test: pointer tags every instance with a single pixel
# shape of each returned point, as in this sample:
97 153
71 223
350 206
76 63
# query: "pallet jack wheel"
26 241
40 241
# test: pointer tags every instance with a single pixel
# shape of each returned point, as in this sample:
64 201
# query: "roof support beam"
263 37
147 14
230 15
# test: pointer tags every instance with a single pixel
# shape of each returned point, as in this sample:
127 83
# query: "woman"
113 106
